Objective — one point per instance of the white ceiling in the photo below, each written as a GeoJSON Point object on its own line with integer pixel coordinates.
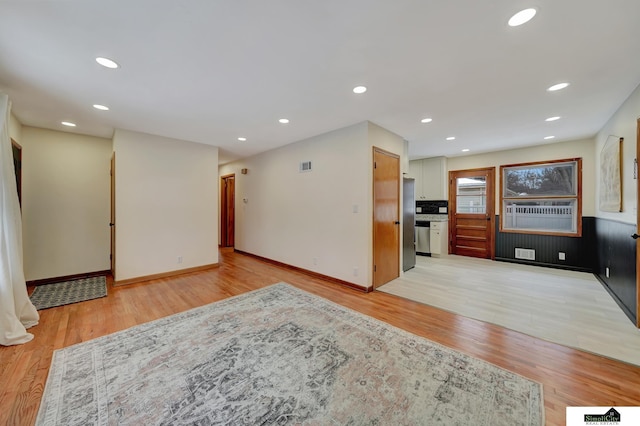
{"type": "Point", "coordinates": [211, 71]}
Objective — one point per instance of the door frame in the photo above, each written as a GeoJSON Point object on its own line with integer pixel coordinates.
{"type": "Point", "coordinates": [490, 213]}
{"type": "Point", "coordinates": [227, 232]}
{"type": "Point", "coordinates": [374, 267]}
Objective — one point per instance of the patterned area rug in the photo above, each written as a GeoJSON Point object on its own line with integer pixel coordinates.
{"type": "Point", "coordinates": [64, 293]}
{"type": "Point", "coordinates": [282, 356]}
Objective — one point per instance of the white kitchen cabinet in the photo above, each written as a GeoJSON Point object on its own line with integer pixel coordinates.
{"type": "Point", "coordinates": [439, 241]}
{"type": "Point", "coordinates": [431, 178]}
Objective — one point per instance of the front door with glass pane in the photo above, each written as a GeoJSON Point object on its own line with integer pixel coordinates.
{"type": "Point", "coordinates": [471, 207]}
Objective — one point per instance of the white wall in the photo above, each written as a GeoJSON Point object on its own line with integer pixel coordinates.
{"type": "Point", "coordinates": [382, 138]}
{"type": "Point", "coordinates": [166, 204]}
{"type": "Point", "coordinates": [65, 203]}
{"type": "Point", "coordinates": [622, 124]}
{"type": "Point", "coordinates": [15, 128]}
{"type": "Point", "coordinates": [307, 219]}
{"type": "Point", "coordinates": [546, 152]}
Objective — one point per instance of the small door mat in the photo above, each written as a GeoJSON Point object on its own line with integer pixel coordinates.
{"type": "Point", "coordinates": [66, 292]}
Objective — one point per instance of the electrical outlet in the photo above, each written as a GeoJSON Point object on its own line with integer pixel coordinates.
{"type": "Point", "coordinates": [315, 260]}
{"type": "Point", "coordinates": [606, 272]}
{"type": "Point", "coordinates": [561, 256]}
{"type": "Point", "coordinates": [355, 271]}
{"type": "Point", "coordinates": [179, 259]}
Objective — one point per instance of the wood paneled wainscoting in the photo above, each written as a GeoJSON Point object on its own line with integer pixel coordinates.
{"type": "Point", "coordinates": [580, 252]}
{"type": "Point", "coordinates": [570, 377]}
{"type": "Point", "coordinates": [616, 265]}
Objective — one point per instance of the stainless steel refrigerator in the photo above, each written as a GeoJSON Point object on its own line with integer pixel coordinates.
{"type": "Point", "coordinates": [408, 224]}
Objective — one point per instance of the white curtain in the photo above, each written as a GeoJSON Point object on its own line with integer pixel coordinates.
{"type": "Point", "coordinates": [17, 313]}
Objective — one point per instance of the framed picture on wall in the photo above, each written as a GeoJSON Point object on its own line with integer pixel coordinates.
{"type": "Point", "coordinates": [611, 175]}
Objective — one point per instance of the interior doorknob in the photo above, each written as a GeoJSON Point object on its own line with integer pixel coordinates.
{"type": "Point", "coordinates": [635, 236]}
{"type": "Point", "coordinates": [396, 222]}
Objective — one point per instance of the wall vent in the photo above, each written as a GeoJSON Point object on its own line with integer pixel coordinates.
{"type": "Point", "coordinates": [305, 166]}
{"type": "Point", "coordinates": [527, 254]}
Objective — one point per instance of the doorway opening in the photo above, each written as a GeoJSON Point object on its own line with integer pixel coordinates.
{"type": "Point", "coordinates": [637, 229]}
{"type": "Point", "coordinates": [17, 164]}
{"type": "Point", "coordinates": [228, 210]}
{"type": "Point", "coordinates": [112, 216]}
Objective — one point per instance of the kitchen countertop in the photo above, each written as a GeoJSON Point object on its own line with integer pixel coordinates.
{"type": "Point", "coordinates": [433, 217]}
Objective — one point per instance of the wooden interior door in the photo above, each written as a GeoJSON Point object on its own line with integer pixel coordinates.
{"type": "Point", "coordinates": [471, 212]}
{"type": "Point", "coordinates": [112, 221]}
{"type": "Point", "coordinates": [386, 217]}
{"type": "Point", "coordinates": [228, 210]}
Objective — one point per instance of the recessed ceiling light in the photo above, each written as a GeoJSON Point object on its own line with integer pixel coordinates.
{"type": "Point", "coordinates": [426, 120]}
{"type": "Point", "coordinates": [101, 107]}
{"type": "Point", "coordinates": [359, 89]}
{"type": "Point", "coordinates": [465, 150]}
{"type": "Point", "coordinates": [558, 86]}
{"type": "Point", "coordinates": [68, 123]}
{"type": "Point", "coordinates": [552, 118]}
{"type": "Point", "coordinates": [522, 17]}
{"type": "Point", "coordinates": [450, 138]}
{"type": "Point", "coordinates": [549, 137]}
{"type": "Point", "coordinates": [242, 139]}
{"type": "Point", "coordinates": [283, 121]}
{"type": "Point", "coordinates": [106, 62]}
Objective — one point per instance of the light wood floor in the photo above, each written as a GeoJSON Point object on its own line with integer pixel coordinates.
{"type": "Point", "coordinates": [570, 377]}
{"type": "Point", "coordinates": [567, 307]}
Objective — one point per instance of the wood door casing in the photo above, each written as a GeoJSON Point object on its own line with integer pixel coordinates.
{"type": "Point", "coordinates": [472, 233]}
{"type": "Point", "coordinates": [228, 210]}
{"type": "Point", "coordinates": [386, 217]}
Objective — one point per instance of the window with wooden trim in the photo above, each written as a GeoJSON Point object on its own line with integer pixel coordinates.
{"type": "Point", "coordinates": [542, 197]}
